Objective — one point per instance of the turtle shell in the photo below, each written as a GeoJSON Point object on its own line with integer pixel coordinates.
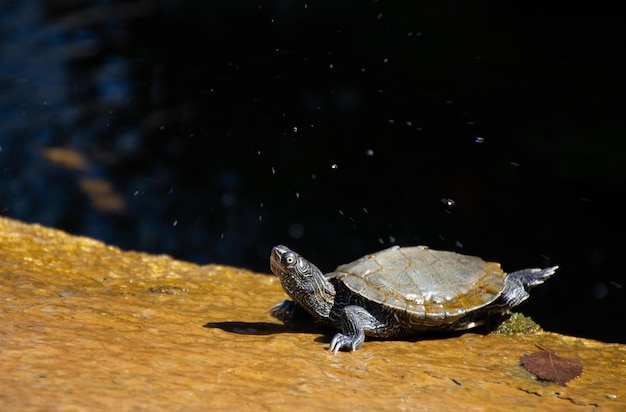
{"type": "Point", "coordinates": [435, 286]}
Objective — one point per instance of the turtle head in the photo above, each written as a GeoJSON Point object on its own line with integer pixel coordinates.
{"type": "Point", "coordinates": [302, 281]}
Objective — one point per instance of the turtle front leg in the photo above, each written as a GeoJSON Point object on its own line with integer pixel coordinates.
{"type": "Point", "coordinates": [284, 310]}
{"type": "Point", "coordinates": [355, 320]}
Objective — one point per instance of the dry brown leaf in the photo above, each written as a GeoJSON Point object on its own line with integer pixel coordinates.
{"type": "Point", "coordinates": [546, 365]}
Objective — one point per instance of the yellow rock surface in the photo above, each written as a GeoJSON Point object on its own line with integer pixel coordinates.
{"type": "Point", "coordinates": [85, 326]}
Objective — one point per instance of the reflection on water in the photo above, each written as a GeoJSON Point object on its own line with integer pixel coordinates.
{"type": "Point", "coordinates": [86, 131]}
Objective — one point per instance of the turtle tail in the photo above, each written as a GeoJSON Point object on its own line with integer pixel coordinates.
{"type": "Point", "coordinates": [519, 283]}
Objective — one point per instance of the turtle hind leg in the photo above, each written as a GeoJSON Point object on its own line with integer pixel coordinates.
{"type": "Point", "coordinates": [519, 283]}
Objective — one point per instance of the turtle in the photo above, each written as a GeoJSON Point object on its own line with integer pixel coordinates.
{"type": "Point", "coordinates": [399, 292]}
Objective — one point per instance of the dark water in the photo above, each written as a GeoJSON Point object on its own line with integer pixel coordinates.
{"type": "Point", "coordinates": [213, 130]}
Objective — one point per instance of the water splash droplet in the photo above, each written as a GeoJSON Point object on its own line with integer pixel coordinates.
{"type": "Point", "coordinates": [448, 202]}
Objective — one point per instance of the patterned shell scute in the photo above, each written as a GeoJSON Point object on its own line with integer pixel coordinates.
{"type": "Point", "coordinates": [431, 284]}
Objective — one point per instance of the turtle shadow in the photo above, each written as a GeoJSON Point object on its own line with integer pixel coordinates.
{"type": "Point", "coordinates": [327, 333]}
{"type": "Point", "coordinates": [304, 323]}
{"type": "Point", "coordinates": [262, 328]}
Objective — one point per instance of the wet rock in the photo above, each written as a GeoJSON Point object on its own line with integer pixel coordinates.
{"type": "Point", "coordinates": [87, 326]}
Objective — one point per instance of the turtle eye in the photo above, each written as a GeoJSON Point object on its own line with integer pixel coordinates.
{"type": "Point", "coordinates": [289, 258]}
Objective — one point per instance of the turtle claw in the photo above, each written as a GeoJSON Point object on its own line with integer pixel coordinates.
{"type": "Point", "coordinates": [341, 341]}
{"type": "Point", "coordinates": [284, 310]}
